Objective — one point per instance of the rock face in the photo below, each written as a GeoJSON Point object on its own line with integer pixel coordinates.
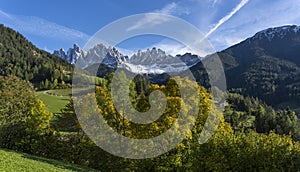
{"type": "Point", "coordinates": [60, 53]}
{"type": "Point", "coordinates": [72, 55]}
{"type": "Point", "coordinates": [150, 61]}
{"type": "Point", "coordinates": [277, 32]}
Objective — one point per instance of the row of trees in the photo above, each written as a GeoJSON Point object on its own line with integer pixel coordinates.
{"type": "Point", "coordinates": [25, 127]}
{"type": "Point", "coordinates": [248, 113]}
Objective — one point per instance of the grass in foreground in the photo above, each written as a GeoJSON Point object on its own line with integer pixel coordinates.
{"type": "Point", "coordinates": [13, 161]}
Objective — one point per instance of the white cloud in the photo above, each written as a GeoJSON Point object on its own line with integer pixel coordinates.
{"type": "Point", "coordinates": [222, 42]}
{"type": "Point", "coordinates": [170, 9]}
{"type": "Point", "coordinates": [264, 15]}
{"type": "Point", "coordinates": [240, 21]}
{"type": "Point", "coordinates": [47, 49]}
{"type": "Point", "coordinates": [41, 27]}
{"type": "Point", "coordinates": [4, 14]}
{"type": "Point", "coordinates": [257, 15]}
{"type": "Point", "coordinates": [173, 9]}
{"type": "Point", "coordinates": [126, 52]}
{"type": "Point", "coordinates": [214, 2]}
{"type": "Point", "coordinates": [151, 19]}
{"type": "Point", "coordinates": [172, 48]}
{"type": "Point", "coordinates": [180, 8]}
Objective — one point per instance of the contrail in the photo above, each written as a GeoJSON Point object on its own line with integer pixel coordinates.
{"type": "Point", "coordinates": [227, 17]}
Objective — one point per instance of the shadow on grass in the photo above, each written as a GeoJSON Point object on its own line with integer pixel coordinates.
{"type": "Point", "coordinates": [65, 99]}
{"type": "Point", "coordinates": [59, 164]}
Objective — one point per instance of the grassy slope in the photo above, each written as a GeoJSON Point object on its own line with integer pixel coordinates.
{"type": "Point", "coordinates": [12, 161]}
{"type": "Point", "coordinates": [53, 103]}
{"type": "Point", "coordinates": [61, 92]}
{"type": "Point", "coordinates": [55, 100]}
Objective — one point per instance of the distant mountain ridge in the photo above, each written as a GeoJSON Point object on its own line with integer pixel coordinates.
{"type": "Point", "coordinates": [154, 61]}
{"type": "Point", "coordinates": [266, 65]}
{"type": "Point", "coordinates": [157, 61]}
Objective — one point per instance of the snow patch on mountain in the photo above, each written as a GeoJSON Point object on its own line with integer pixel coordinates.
{"type": "Point", "coordinates": [279, 32]}
{"type": "Point", "coordinates": [150, 61]}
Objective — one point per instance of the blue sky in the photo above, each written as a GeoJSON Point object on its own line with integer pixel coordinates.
{"type": "Point", "coordinates": [54, 24]}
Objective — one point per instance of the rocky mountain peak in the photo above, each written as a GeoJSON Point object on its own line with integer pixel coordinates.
{"type": "Point", "coordinates": [60, 53]}
{"type": "Point", "coordinates": [277, 32]}
{"type": "Point", "coordinates": [152, 60]}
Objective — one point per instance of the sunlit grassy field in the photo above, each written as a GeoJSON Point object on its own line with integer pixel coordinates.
{"type": "Point", "coordinates": [57, 99]}
{"type": "Point", "coordinates": [55, 103]}
{"type": "Point", "coordinates": [61, 92]}
{"type": "Point", "coordinates": [13, 161]}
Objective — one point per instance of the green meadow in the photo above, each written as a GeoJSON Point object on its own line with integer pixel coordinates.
{"type": "Point", "coordinates": [13, 161]}
{"type": "Point", "coordinates": [55, 103]}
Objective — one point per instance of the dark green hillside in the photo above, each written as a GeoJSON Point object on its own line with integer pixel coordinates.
{"type": "Point", "coordinates": [266, 66]}
{"type": "Point", "coordinates": [20, 57]}
{"type": "Point", "coordinates": [248, 113]}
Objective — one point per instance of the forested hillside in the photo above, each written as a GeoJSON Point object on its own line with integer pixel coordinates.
{"type": "Point", "coordinates": [266, 66]}
{"type": "Point", "coordinates": [20, 57]}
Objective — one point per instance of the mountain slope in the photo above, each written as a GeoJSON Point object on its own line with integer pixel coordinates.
{"type": "Point", "coordinates": [20, 57]}
{"type": "Point", "coordinates": [266, 65]}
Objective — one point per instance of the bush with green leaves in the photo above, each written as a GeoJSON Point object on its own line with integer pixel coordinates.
{"type": "Point", "coordinates": [23, 117]}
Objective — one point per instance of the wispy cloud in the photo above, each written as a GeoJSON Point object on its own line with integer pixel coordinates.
{"type": "Point", "coordinates": [41, 27]}
{"type": "Point", "coordinates": [4, 14]}
{"type": "Point", "coordinates": [214, 2]}
{"type": "Point", "coordinates": [149, 20]}
{"type": "Point", "coordinates": [227, 17]}
{"type": "Point", "coordinates": [170, 9]}
{"type": "Point", "coordinates": [126, 52]}
{"type": "Point", "coordinates": [256, 16]}
{"type": "Point", "coordinates": [173, 9]}
{"type": "Point", "coordinates": [171, 47]}
{"type": "Point", "coordinates": [180, 8]}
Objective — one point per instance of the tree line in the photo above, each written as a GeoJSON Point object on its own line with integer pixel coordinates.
{"type": "Point", "coordinates": [25, 126]}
